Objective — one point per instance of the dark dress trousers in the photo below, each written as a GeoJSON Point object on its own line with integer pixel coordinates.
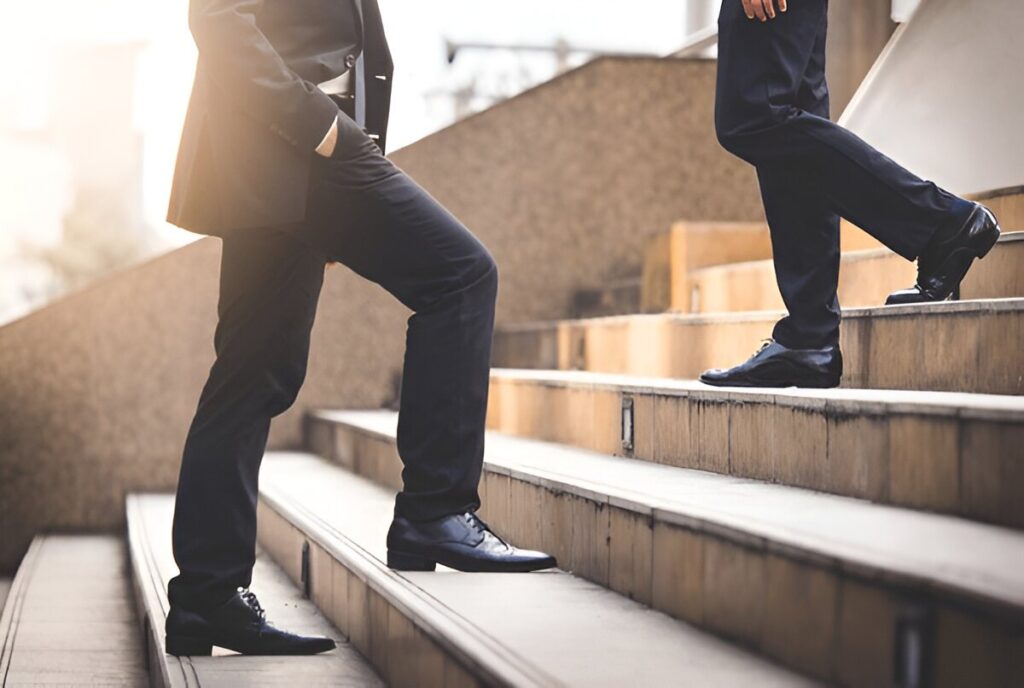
{"type": "Point", "coordinates": [772, 110]}
{"type": "Point", "coordinates": [355, 208]}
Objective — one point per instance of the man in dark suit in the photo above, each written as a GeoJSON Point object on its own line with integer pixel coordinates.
{"type": "Point", "coordinates": [282, 157]}
{"type": "Point", "coordinates": [772, 111]}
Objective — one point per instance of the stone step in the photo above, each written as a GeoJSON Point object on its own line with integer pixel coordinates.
{"type": "Point", "coordinates": [956, 454]}
{"type": "Point", "coordinates": [670, 257]}
{"type": "Point", "coordinates": [850, 592]}
{"type": "Point", "coordinates": [1007, 204]}
{"type": "Point", "coordinates": [688, 246]}
{"type": "Point", "coordinates": [616, 298]}
{"type": "Point", "coordinates": [5, 587]}
{"type": "Point", "coordinates": [68, 619]}
{"type": "Point", "coordinates": [865, 279]}
{"type": "Point", "coordinates": [453, 629]}
{"type": "Point", "coordinates": [957, 346]}
{"type": "Point", "coordinates": [152, 563]}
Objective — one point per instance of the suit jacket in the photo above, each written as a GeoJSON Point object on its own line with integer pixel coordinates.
{"type": "Point", "coordinates": [256, 116]}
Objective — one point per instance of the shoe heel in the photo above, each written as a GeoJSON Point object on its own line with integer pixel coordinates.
{"type": "Point", "coordinates": [184, 646]}
{"type": "Point", "coordinates": [989, 242]}
{"type": "Point", "coordinates": [400, 561]}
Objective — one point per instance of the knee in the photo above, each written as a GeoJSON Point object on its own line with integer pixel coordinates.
{"type": "Point", "coordinates": [282, 381]}
{"type": "Point", "coordinates": [731, 133]}
{"type": "Point", "coordinates": [728, 140]}
{"type": "Point", "coordinates": [482, 276]}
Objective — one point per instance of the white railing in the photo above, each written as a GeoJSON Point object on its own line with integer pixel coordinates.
{"type": "Point", "coordinates": [698, 42]}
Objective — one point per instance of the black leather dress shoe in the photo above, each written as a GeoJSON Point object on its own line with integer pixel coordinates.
{"type": "Point", "coordinates": [463, 542]}
{"type": "Point", "coordinates": [776, 366]}
{"type": "Point", "coordinates": [239, 624]}
{"type": "Point", "coordinates": [943, 264]}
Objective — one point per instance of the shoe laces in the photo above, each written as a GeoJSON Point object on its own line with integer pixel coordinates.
{"type": "Point", "coordinates": [765, 343]}
{"type": "Point", "coordinates": [249, 597]}
{"type": "Point", "coordinates": [478, 524]}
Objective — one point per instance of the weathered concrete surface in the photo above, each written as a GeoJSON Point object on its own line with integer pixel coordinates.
{"type": "Point", "coordinates": [563, 183]}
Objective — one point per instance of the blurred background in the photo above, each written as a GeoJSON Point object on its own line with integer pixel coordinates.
{"type": "Point", "coordinates": [92, 102]}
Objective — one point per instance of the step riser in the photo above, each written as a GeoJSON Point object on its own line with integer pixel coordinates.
{"type": "Point", "coordinates": [687, 246]}
{"type": "Point", "coordinates": [975, 351]}
{"type": "Point", "coordinates": [810, 615]}
{"type": "Point", "coordinates": [863, 282]}
{"type": "Point", "coordinates": [959, 466]}
{"type": "Point", "coordinates": [377, 628]}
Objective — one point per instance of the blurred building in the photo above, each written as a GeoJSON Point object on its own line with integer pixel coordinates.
{"type": "Point", "coordinates": [72, 176]}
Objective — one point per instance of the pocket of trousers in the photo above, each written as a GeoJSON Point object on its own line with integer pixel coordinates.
{"type": "Point", "coordinates": [352, 139]}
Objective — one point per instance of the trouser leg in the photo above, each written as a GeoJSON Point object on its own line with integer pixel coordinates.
{"type": "Point", "coordinates": [374, 219]}
{"type": "Point", "coordinates": [269, 287]}
{"type": "Point", "coordinates": [805, 248]}
{"type": "Point", "coordinates": [804, 232]}
{"type": "Point", "coordinates": [758, 118]}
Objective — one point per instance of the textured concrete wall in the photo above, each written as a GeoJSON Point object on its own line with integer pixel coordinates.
{"type": "Point", "coordinates": [97, 389]}
{"type": "Point", "coordinates": [563, 183]}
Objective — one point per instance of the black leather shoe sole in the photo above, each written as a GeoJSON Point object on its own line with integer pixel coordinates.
{"type": "Point", "coordinates": [184, 646]}
{"type": "Point", "coordinates": [187, 646]}
{"type": "Point", "coordinates": [403, 561]}
{"type": "Point", "coordinates": [750, 381]}
{"type": "Point", "coordinates": [400, 561]}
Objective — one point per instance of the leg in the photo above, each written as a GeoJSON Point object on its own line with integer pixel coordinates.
{"type": "Point", "coordinates": [370, 216]}
{"type": "Point", "coordinates": [805, 250]}
{"type": "Point", "coordinates": [805, 233]}
{"type": "Point", "coordinates": [761, 68]}
{"type": "Point", "coordinates": [269, 287]}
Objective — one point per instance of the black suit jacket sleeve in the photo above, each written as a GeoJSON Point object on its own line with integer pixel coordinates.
{"type": "Point", "coordinates": [242, 63]}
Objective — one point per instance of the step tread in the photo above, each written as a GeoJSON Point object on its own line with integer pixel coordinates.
{"type": "Point", "coordinates": [149, 523]}
{"type": "Point", "coordinates": [850, 256]}
{"type": "Point", "coordinates": [5, 587]}
{"type": "Point", "coordinates": [972, 306]}
{"type": "Point", "coordinates": [551, 626]}
{"type": "Point", "coordinates": [68, 618]}
{"type": "Point", "coordinates": [964, 404]}
{"type": "Point", "coordinates": [971, 561]}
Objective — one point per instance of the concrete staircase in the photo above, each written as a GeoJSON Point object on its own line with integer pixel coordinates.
{"type": "Point", "coordinates": [843, 590]}
{"type": "Point", "coordinates": [865, 536]}
{"type": "Point", "coordinates": [716, 267]}
{"type": "Point", "coordinates": [152, 565]}
{"type": "Point", "coordinates": [68, 617]}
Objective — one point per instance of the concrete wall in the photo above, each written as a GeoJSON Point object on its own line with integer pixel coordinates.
{"type": "Point", "coordinates": [563, 183]}
{"type": "Point", "coordinates": [945, 99]}
{"type": "Point", "coordinates": [857, 34]}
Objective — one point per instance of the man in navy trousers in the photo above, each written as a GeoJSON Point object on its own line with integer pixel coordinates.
{"type": "Point", "coordinates": [772, 110]}
{"type": "Point", "coordinates": [282, 156]}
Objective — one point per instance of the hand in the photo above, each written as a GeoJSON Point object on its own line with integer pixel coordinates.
{"type": "Point", "coordinates": [326, 147]}
{"type": "Point", "coordinates": [762, 9]}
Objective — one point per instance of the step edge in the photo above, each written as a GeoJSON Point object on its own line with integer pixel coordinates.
{"type": "Point", "coordinates": [11, 612]}
{"type": "Point", "coordinates": [717, 524]}
{"type": "Point", "coordinates": [1007, 237]}
{"type": "Point", "coordinates": [497, 662]}
{"type": "Point", "coordinates": [1000, 192]}
{"type": "Point", "coordinates": [148, 596]}
{"type": "Point", "coordinates": [1013, 304]}
{"type": "Point", "coordinates": [992, 407]}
